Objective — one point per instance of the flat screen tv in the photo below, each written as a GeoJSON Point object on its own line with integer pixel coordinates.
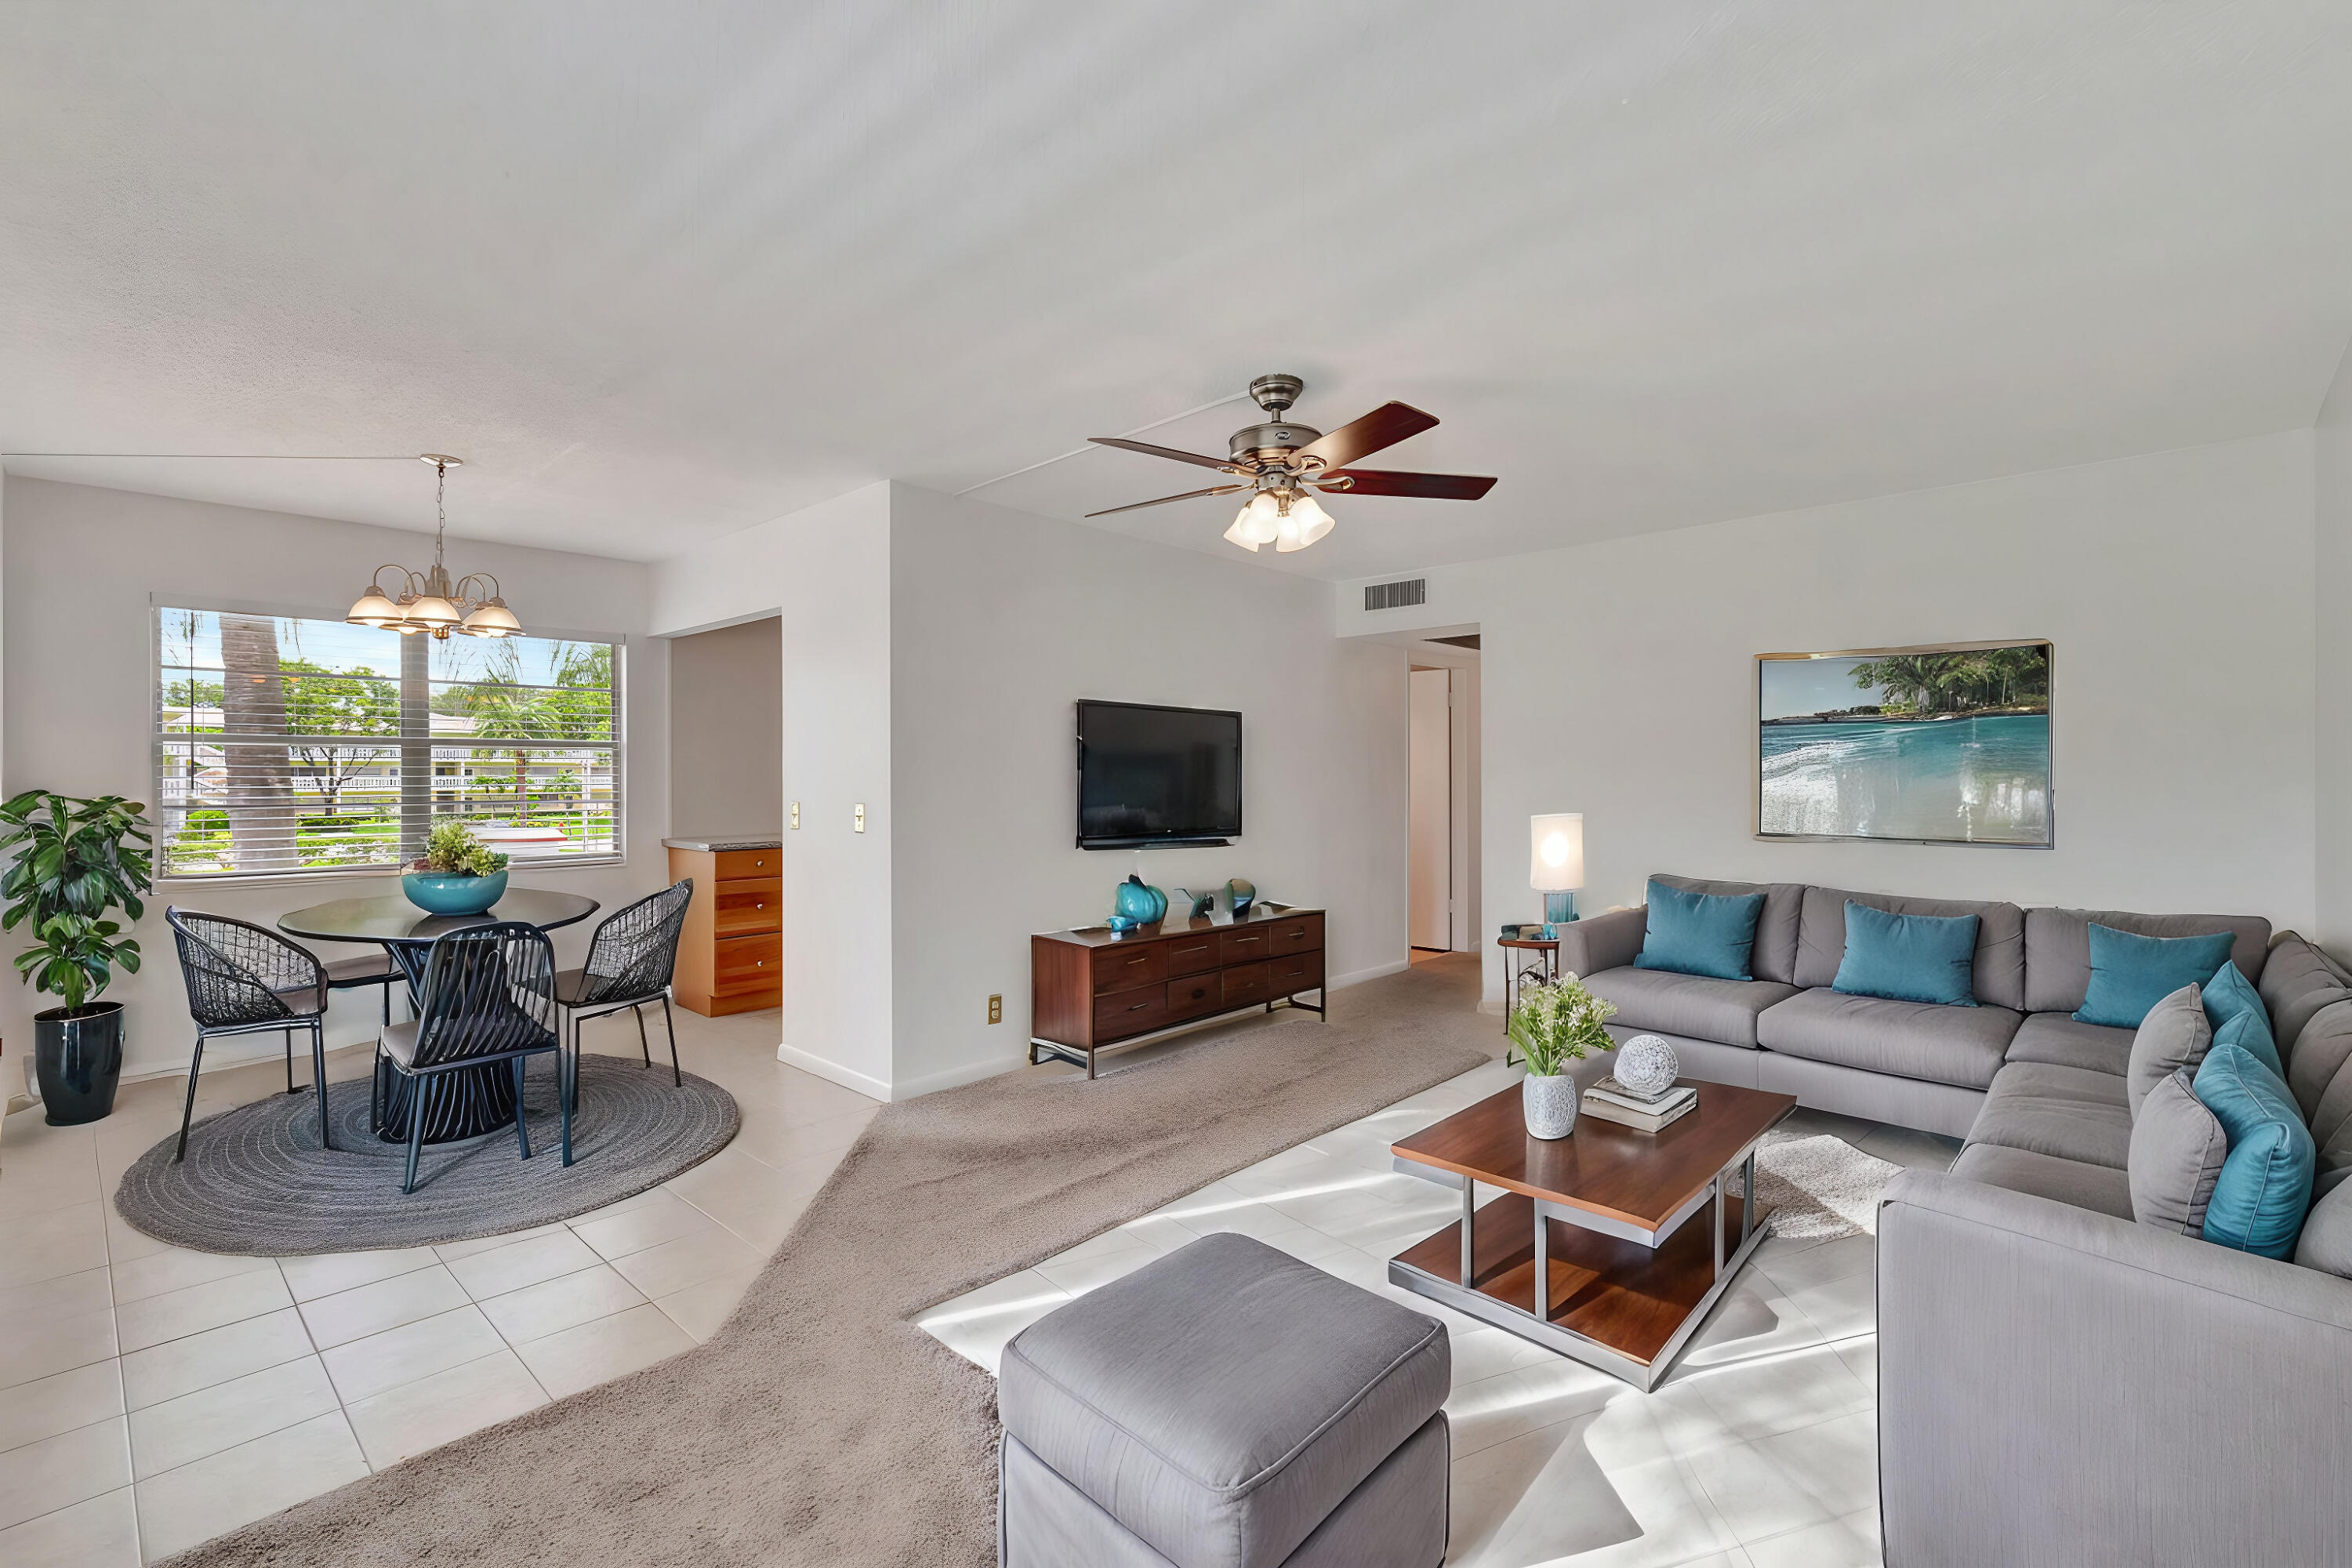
{"type": "Point", "coordinates": [1158, 775]}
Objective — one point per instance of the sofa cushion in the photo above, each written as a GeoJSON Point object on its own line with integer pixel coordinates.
{"type": "Point", "coordinates": [2056, 1038]}
{"type": "Point", "coordinates": [2058, 948]}
{"type": "Point", "coordinates": [2318, 1056]}
{"type": "Point", "coordinates": [2265, 1186]}
{"type": "Point", "coordinates": [1720, 1010]}
{"type": "Point", "coordinates": [1775, 955]}
{"type": "Point", "coordinates": [2131, 974]}
{"type": "Point", "coordinates": [2069, 1113]}
{"type": "Point", "coordinates": [2297, 981]}
{"type": "Point", "coordinates": [1908, 958]}
{"type": "Point", "coordinates": [2177, 1149]}
{"type": "Point", "coordinates": [1221, 1401]}
{"type": "Point", "coordinates": [2174, 1035]}
{"type": "Point", "coordinates": [1711, 935]}
{"type": "Point", "coordinates": [2099, 1188]}
{"type": "Point", "coordinates": [1998, 966]}
{"type": "Point", "coordinates": [2326, 1239]}
{"type": "Point", "coordinates": [1961, 1046]}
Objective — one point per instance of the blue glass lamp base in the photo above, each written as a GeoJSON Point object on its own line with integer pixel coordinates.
{"type": "Point", "coordinates": [1559, 907]}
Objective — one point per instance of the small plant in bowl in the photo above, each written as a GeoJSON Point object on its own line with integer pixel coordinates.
{"type": "Point", "coordinates": [457, 874]}
{"type": "Point", "coordinates": [1556, 1022]}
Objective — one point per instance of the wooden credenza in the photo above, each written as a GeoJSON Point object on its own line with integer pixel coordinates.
{"type": "Point", "coordinates": [1093, 988]}
{"type": "Point", "coordinates": [731, 957]}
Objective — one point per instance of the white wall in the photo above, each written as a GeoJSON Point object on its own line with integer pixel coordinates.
{"type": "Point", "coordinates": [726, 731]}
{"type": "Point", "coordinates": [2176, 588]}
{"type": "Point", "coordinates": [825, 573]}
{"type": "Point", "coordinates": [1002, 621]}
{"type": "Point", "coordinates": [84, 568]}
{"type": "Point", "coordinates": [2332, 503]}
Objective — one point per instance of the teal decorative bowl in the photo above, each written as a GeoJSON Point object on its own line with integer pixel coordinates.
{"type": "Point", "coordinates": [451, 893]}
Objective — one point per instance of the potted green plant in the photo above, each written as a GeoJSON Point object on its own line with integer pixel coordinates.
{"type": "Point", "coordinates": [457, 874]}
{"type": "Point", "coordinates": [1556, 1022]}
{"type": "Point", "coordinates": [73, 861]}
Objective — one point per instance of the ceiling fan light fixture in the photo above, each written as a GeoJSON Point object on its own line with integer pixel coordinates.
{"type": "Point", "coordinates": [1234, 534]}
{"type": "Point", "coordinates": [1308, 521]}
{"type": "Point", "coordinates": [1260, 523]}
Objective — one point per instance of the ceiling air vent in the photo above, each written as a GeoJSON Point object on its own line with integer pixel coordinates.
{"type": "Point", "coordinates": [1396, 595]}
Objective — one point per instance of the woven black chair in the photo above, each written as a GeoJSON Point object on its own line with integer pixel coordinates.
{"type": "Point", "coordinates": [243, 979]}
{"type": "Point", "coordinates": [630, 961]}
{"type": "Point", "coordinates": [488, 996]}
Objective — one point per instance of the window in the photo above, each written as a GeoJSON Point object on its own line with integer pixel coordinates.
{"type": "Point", "coordinates": [286, 745]}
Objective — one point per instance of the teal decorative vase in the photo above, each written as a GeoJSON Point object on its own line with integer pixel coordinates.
{"type": "Point", "coordinates": [1239, 895]}
{"type": "Point", "coordinates": [1202, 902]}
{"type": "Point", "coordinates": [1140, 903]}
{"type": "Point", "coordinates": [452, 893]}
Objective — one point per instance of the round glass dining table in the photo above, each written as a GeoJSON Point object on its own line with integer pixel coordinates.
{"type": "Point", "coordinates": [478, 1100]}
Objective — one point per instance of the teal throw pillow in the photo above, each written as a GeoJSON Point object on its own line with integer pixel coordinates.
{"type": "Point", "coordinates": [2130, 973]}
{"type": "Point", "coordinates": [2230, 998]}
{"type": "Point", "coordinates": [2265, 1188]}
{"type": "Point", "coordinates": [1908, 958]}
{"type": "Point", "coordinates": [1700, 933]}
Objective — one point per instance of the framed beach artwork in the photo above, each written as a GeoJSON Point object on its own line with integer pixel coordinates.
{"type": "Point", "coordinates": [1945, 744]}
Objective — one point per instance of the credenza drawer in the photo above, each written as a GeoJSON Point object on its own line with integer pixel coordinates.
{"type": "Point", "coordinates": [1249, 982]}
{"type": "Point", "coordinates": [1124, 1013]}
{"type": "Point", "coordinates": [1192, 954]}
{"type": "Point", "coordinates": [1298, 934]}
{"type": "Point", "coordinates": [1297, 972]}
{"type": "Point", "coordinates": [737, 863]}
{"type": "Point", "coordinates": [1246, 945]}
{"type": "Point", "coordinates": [1193, 995]}
{"type": "Point", "coordinates": [1124, 968]}
{"type": "Point", "coordinates": [740, 908]}
{"type": "Point", "coordinates": [746, 962]}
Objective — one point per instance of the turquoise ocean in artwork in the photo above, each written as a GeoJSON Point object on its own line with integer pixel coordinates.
{"type": "Point", "coordinates": [1983, 780]}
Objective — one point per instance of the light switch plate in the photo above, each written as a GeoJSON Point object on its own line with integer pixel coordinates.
{"type": "Point", "coordinates": [861, 816]}
{"type": "Point", "coordinates": [796, 816]}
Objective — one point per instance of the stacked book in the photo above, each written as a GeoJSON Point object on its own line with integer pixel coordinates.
{"type": "Point", "coordinates": [1612, 1101]}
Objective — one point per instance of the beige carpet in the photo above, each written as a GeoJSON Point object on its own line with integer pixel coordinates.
{"type": "Point", "coordinates": [1819, 1187]}
{"type": "Point", "coordinates": [819, 1426]}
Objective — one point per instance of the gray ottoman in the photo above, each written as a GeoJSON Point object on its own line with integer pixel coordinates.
{"type": "Point", "coordinates": [1225, 1407]}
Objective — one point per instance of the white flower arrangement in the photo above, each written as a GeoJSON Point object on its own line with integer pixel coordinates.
{"type": "Point", "coordinates": [1558, 1021]}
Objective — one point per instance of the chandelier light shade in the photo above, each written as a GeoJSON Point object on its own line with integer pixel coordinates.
{"type": "Point", "coordinates": [429, 604]}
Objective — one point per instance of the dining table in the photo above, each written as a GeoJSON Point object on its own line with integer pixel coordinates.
{"type": "Point", "coordinates": [474, 1100]}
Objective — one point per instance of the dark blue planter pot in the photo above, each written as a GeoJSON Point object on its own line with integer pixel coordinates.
{"type": "Point", "coordinates": [77, 1061]}
{"type": "Point", "coordinates": [447, 893]}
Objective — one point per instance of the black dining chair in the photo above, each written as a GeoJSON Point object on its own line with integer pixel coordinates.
{"type": "Point", "coordinates": [489, 997]}
{"type": "Point", "coordinates": [245, 979]}
{"type": "Point", "coordinates": [630, 962]}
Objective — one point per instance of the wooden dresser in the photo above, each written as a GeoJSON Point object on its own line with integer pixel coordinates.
{"type": "Point", "coordinates": [731, 957]}
{"type": "Point", "coordinates": [1092, 988]}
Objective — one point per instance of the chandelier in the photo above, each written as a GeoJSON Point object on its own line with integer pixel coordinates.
{"type": "Point", "coordinates": [428, 601]}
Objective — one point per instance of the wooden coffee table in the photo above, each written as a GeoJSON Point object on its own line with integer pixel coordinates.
{"type": "Point", "coordinates": [1614, 1275]}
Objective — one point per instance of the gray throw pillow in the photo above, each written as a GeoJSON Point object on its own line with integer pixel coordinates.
{"type": "Point", "coordinates": [2327, 1233]}
{"type": "Point", "coordinates": [2173, 1035]}
{"type": "Point", "coordinates": [2177, 1149]}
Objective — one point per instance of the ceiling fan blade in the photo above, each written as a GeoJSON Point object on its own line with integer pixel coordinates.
{"type": "Point", "coordinates": [1391, 482]}
{"type": "Point", "coordinates": [1149, 451]}
{"type": "Point", "coordinates": [1383, 426]}
{"type": "Point", "coordinates": [1163, 500]}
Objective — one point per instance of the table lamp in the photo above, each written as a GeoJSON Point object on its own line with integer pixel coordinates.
{"type": "Point", "coordinates": [1557, 866]}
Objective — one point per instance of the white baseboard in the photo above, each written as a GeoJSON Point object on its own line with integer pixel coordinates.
{"type": "Point", "coordinates": [953, 1078]}
{"type": "Point", "coordinates": [1357, 976]}
{"type": "Point", "coordinates": [834, 1072]}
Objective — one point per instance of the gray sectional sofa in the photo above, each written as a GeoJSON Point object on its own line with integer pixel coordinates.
{"type": "Point", "coordinates": [2057, 1383]}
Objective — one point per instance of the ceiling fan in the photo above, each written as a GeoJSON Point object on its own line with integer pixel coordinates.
{"type": "Point", "coordinates": [1287, 464]}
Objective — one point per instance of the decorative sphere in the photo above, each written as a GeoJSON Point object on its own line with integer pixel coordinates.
{"type": "Point", "coordinates": [1646, 1066]}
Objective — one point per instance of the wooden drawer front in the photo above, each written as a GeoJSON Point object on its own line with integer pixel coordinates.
{"type": "Point", "coordinates": [1297, 972]}
{"type": "Point", "coordinates": [1192, 954]}
{"type": "Point", "coordinates": [736, 864]}
{"type": "Point", "coordinates": [746, 962]}
{"type": "Point", "coordinates": [1301, 934]}
{"type": "Point", "coordinates": [1124, 1013]}
{"type": "Point", "coordinates": [1124, 968]}
{"type": "Point", "coordinates": [1193, 995]}
{"type": "Point", "coordinates": [740, 908]}
{"type": "Point", "coordinates": [1246, 946]}
{"type": "Point", "coordinates": [1250, 982]}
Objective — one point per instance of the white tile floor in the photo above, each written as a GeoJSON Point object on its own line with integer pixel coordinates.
{"type": "Point", "coordinates": [1758, 1451]}
{"type": "Point", "coordinates": [151, 1397]}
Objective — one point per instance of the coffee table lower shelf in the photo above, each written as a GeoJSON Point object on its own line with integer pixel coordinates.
{"type": "Point", "coordinates": [1610, 1303]}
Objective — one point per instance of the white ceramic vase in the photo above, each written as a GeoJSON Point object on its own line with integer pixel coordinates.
{"type": "Point", "coordinates": [1548, 1104]}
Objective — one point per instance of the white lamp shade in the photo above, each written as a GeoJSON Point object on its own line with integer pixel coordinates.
{"type": "Point", "coordinates": [1557, 844]}
{"type": "Point", "coordinates": [431, 610]}
{"type": "Point", "coordinates": [1234, 535]}
{"type": "Point", "coordinates": [1305, 522]}
{"type": "Point", "coordinates": [1261, 521]}
{"type": "Point", "coordinates": [492, 620]}
{"type": "Point", "coordinates": [373, 609]}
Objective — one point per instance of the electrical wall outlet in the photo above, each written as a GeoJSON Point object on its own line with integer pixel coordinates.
{"type": "Point", "coordinates": [796, 816]}
{"type": "Point", "coordinates": [996, 1009]}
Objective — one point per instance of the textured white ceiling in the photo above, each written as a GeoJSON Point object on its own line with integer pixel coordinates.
{"type": "Point", "coordinates": [661, 271]}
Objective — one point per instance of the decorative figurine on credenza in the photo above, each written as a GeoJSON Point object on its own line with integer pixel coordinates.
{"type": "Point", "coordinates": [1140, 903]}
{"type": "Point", "coordinates": [1202, 902]}
{"type": "Point", "coordinates": [1240, 893]}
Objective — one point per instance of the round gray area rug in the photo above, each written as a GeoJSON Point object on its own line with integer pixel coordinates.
{"type": "Point", "coordinates": [256, 1183]}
